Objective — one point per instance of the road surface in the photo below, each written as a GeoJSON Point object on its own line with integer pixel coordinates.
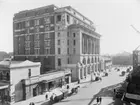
{"type": "Point", "coordinates": [87, 95]}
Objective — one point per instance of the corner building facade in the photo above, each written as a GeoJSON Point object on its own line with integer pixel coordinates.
{"type": "Point", "coordinates": [56, 37]}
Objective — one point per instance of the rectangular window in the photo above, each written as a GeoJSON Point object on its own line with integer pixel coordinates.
{"type": "Point", "coordinates": [58, 18]}
{"type": "Point", "coordinates": [74, 35]}
{"type": "Point", "coordinates": [68, 19]}
{"type": "Point", "coordinates": [29, 72]}
{"type": "Point", "coordinates": [37, 51]}
{"type": "Point", "coordinates": [27, 37]}
{"type": "Point", "coordinates": [58, 42]}
{"type": "Point", "coordinates": [36, 44]}
{"type": "Point", "coordinates": [67, 50]}
{"type": "Point", "coordinates": [46, 36]}
{"type": "Point", "coordinates": [36, 37]}
{"type": "Point", "coordinates": [58, 34]}
{"type": "Point", "coordinates": [67, 34]}
{"type": "Point", "coordinates": [27, 51]}
{"type": "Point", "coordinates": [47, 20]}
{"type": "Point", "coordinates": [74, 42]}
{"type": "Point", "coordinates": [47, 28]}
{"type": "Point", "coordinates": [32, 23]}
{"type": "Point", "coordinates": [27, 44]}
{"type": "Point", "coordinates": [41, 21]}
{"type": "Point", "coordinates": [47, 50]}
{"type": "Point", "coordinates": [59, 62]}
{"type": "Point", "coordinates": [68, 42]}
{"type": "Point", "coordinates": [59, 51]}
{"type": "Point", "coordinates": [68, 60]}
{"type": "Point", "coordinates": [74, 51]}
{"type": "Point", "coordinates": [37, 29]}
{"type": "Point", "coordinates": [36, 22]}
{"type": "Point", "coordinates": [47, 43]}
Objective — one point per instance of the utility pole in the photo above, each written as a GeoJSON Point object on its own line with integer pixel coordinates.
{"type": "Point", "coordinates": [135, 29]}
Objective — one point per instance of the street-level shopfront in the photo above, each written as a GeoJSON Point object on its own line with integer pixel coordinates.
{"type": "Point", "coordinates": [4, 94]}
{"type": "Point", "coordinates": [38, 85]}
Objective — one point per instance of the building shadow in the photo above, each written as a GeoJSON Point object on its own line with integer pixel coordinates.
{"type": "Point", "coordinates": [108, 92]}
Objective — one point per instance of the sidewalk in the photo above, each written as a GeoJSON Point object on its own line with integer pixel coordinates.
{"type": "Point", "coordinates": [40, 99]}
{"type": "Point", "coordinates": [105, 101]}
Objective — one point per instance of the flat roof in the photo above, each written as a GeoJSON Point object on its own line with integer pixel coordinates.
{"type": "Point", "coordinates": [15, 64]}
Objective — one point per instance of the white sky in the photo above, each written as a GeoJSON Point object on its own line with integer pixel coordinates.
{"type": "Point", "coordinates": [111, 17]}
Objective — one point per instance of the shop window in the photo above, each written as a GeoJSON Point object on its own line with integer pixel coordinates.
{"type": "Point", "coordinates": [51, 85]}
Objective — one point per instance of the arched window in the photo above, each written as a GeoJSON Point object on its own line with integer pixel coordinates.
{"type": "Point", "coordinates": [88, 61]}
{"type": "Point", "coordinates": [84, 60]}
{"type": "Point", "coordinates": [92, 60]}
{"type": "Point", "coordinates": [95, 60]}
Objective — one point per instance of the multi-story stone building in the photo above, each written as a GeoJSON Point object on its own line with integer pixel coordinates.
{"type": "Point", "coordinates": [56, 37]}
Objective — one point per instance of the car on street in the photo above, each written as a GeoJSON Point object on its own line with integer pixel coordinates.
{"type": "Point", "coordinates": [122, 73]}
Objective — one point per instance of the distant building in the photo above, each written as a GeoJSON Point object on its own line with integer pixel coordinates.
{"type": "Point", "coordinates": [105, 63]}
{"type": "Point", "coordinates": [56, 37]}
{"type": "Point", "coordinates": [136, 58]}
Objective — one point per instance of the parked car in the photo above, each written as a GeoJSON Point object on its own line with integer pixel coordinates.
{"type": "Point", "coordinates": [123, 73]}
{"type": "Point", "coordinates": [128, 70]}
{"type": "Point", "coordinates": [98, 78]}
{"type": "Point", "coordinates": [118, 69]}
{"type": "Point", "coordinates": [74, 89]}
{"type": "Point", "coordinates": [57, 95]}
{"type": "Point", "coordinates": [106, 74]}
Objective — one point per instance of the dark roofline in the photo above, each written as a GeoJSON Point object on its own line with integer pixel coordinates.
{"type": "Point", "coordinates": [24, 11]}
{"type": "Point", "coordinates": [79, 13]}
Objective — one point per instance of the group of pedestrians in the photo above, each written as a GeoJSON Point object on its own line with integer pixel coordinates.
{"type": "Point", "coordinates": [99, 100]}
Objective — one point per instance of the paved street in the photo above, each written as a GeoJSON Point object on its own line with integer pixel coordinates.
{"type": "Point", "coordinates": [88, 94]}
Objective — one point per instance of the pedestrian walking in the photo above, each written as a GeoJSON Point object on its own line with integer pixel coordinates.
{"type": "Point", "coordinates": [97, 99]}
{"type": "Point", "coordinates": [100, 100]}
{"type": "Point", "coordinates": [114, 91]}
